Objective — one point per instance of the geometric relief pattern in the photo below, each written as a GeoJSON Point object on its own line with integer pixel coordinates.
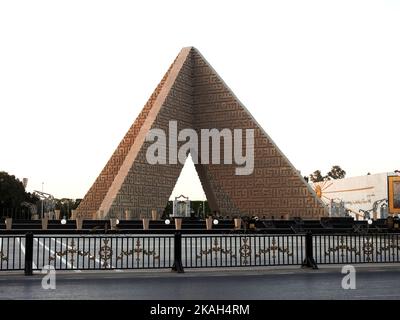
{"type": "Point", "coordinates": [195, 96]}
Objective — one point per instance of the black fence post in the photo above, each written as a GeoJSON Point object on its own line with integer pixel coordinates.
{"type": "Point", "coordinates": [309, 261]}
{"type": "Point", "coordinates": [29, 254]}
{"type": "Point", "coordinates": [178, 267]}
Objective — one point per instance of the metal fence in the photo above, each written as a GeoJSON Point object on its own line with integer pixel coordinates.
{"type": "Point", "coordinates": [12, 252]}
{"type": "Point", "coordinates": [343, 249]}
{"type": "Point", "coordinates": [242, 250]}
{"type": "Point", "coordinates": [103, 252]}
{"type": "Point", "coordinates": [108, 252]}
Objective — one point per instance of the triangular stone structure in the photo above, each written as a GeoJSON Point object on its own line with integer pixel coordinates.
{"type": "Point", "coordinates": [193, 94]}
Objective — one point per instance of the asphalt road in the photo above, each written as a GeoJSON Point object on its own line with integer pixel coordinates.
{"type": "Point", "coordinates": [371, 283]}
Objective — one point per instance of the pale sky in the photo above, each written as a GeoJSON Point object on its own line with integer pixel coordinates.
{"type": "Point", "coordinates": [321, 77]}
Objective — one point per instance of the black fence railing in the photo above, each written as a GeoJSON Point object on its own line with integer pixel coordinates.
{"type": "Point", "coordinates": [103, 252]}
{"type": "Point", "coordinates": [356, 248]}
{"type": "Point", "coordinates": [178, 251]}
{"type": "Point", "coordinates": [12, 252]}
{"type": "Point", "coordinates": [206, 251]}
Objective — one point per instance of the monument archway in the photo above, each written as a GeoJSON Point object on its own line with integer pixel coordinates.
{"type": "Point", "coordinates": [193, 96]}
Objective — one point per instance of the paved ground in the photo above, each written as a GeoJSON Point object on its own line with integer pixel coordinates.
{"type": "Point", "coordinates": [381, 282]}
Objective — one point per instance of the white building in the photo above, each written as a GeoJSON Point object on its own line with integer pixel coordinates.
{"type": "Point", "coordinates": [361, 197]}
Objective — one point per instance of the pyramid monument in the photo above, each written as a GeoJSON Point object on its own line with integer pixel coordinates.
{"type": "Point", "coordinates": [193, 94]}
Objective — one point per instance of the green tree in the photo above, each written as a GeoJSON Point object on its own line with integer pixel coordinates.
{"type": "Point", "coordinates": [336, 173]}
{"type": "Point", "coordinates": [198, 210]}
{"type": "Point", "coordinates": [316, 176]}
{"type": "Point", "coordinates": [168, 210]}
{"type": "Point", "coordinates": [12, 192]}
{"type": "Point", "coordinates": [65, 205]}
